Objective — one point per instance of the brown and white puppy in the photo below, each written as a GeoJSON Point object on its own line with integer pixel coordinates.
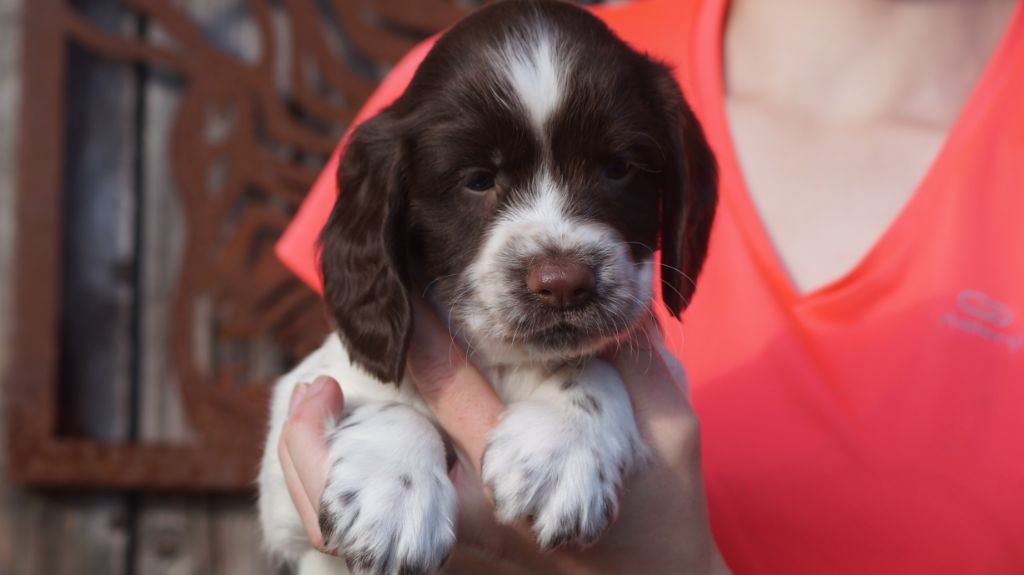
{"type": "Point", "coordinates": [523, 182]}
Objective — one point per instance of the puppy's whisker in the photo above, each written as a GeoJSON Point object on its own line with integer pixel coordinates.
{"type": "Point", "coordinates": [685, 300]}
{"type": "Point", "coordinates": [460, 295]}
{"type": "Point", "coordinates": [434, 281]}
{"type": "Point", "coordinates": [692, 281]}
{"type": "Point", "coordinates": [646, 247]}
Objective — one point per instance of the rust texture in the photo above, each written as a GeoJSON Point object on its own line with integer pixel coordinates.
{"type": "Point", "coordinates": [238, 185]}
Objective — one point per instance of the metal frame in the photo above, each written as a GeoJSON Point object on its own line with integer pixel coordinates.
{"type": "Point", "coordinates": [229, 418]}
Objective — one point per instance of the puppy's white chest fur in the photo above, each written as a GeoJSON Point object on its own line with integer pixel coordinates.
{"type": "Point", "coordinates": [558, 455]}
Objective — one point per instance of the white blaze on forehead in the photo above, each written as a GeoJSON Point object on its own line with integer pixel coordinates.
{"type": "Point", "coordinates": [541, 218]}
{"type": "Point", "coordinates": [543, 207]}
{"type": "Point", "coordinates": [538, 218]}
{"type": "Point", "coordinates": [535, 69]}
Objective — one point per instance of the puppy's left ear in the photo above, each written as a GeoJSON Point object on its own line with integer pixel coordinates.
{"type": "Point", "coordinates": [689, 195]}
{"type": "Point", "coordinates": [362, 252]}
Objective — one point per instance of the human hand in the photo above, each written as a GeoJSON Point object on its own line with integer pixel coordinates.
{"type": "Point", "coordinates": [303, 450]}
{"type": "Point", "coordinates": [662, 526]}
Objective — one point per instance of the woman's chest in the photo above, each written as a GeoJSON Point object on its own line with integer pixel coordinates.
{"type": "Point", "coordinates": [825, 193]}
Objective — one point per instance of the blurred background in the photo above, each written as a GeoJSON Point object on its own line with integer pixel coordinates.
{"type": "Point", "coordinates": [151, 151]}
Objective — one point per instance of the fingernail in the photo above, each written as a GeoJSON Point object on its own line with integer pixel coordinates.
{"type": "Point", "coordinates": [298, 393]}
{"type": "Point", "coordinates": [320, 384]}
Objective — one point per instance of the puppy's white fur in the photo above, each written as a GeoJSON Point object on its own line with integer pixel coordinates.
{"type": "Point", "coordinates": [559, 453]}
{"type": "Point", "coordinates": [536, 68]}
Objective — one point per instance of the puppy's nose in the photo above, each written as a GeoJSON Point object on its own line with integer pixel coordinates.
{"type": "Point", "coordinates": [561, 284]}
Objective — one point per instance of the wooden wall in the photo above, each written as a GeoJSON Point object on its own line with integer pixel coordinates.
{"type": "Point", "coordinates": [123, 236]}
{"type": "Point", "coordinates": [12, 503]}
{"type": "Point", "coordinates": [122, 256]}
{"type": "Point", "coordinates": [64, 533]}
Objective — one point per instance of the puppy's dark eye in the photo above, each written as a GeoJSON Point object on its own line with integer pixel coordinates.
{"type": "Point", "coordinates": [480, 181]}
{"type": "Point", "coordinates": [616, 169]}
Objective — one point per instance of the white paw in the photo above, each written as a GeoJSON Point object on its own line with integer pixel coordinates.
{"type": "Point", "coordinates": [388, 505]}
{"type": "Point", "coordinates": [562, 464]}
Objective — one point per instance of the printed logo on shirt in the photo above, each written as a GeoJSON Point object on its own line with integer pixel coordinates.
{"type": "Point", "coordinates": [983, 316]}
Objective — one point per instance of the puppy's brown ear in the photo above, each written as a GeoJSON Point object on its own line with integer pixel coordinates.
{"type": "Point", "coordinates": [361, 258]}
{"type": "Point", "coordinates": [689, 196]}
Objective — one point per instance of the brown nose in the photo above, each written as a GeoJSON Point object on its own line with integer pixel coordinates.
{"type": "Point", "coordinates": [561, 284]}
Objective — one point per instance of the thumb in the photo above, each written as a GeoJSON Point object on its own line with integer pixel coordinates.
{"type": "Point", "coordinates": [463, 402]}
{"type": "Point", "coordinates": [304, 435]}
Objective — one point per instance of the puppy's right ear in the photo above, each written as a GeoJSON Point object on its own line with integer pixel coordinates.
{"type": "Point", "coordinates": [361, 257]}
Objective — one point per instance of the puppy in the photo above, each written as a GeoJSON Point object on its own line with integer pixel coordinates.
{"type": "Point", "coordinates": [523, 182]}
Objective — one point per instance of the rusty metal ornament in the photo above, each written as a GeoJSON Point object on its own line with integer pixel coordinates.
{"type": "Point", "coordinates": [238, 188]}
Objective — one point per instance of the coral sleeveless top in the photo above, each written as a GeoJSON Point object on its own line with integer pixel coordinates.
{"type": "Point", "coordinates": [874, 425]}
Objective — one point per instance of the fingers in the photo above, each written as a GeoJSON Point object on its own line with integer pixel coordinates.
{"type": "Point", "coordinates": [303, 449]}
{"type": "Point", "coordinates": [463, 402]}
{"type": "Point", "coordinates": [467, 408]}
{"type": "Point", "coordinates": [653, 376]}
{"type": "Point", "coordinates": [307, 512]}
{"type": "Point", "coordinates": [657, 388]}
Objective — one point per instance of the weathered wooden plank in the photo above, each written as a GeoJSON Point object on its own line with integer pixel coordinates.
{"type": "Point", "coordinates": [10, 88]}
{"type": "Point", "coordinates": [15, 511]}
{"type": "Point", "coordinates": [69, 533]}
{"type": "Point", "coordinates": [236, 539]}
{"type": "Point", "coordinates": [66, 535]}
{"type": "Point", "coordinates": [173, 535]}
{"type": "Point", "coordinates": [180, 534]}
{"type": "Point", "coordinates": [162, 239]}
{"type": "Point", "coordinates": [97, 299]}
{"type": "Point", "coordinates": [98, 248]}
{"type": "Point", "coordinates": [82, 533]}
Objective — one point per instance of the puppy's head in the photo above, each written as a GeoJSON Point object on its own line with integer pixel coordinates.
{"type": "Point", "coordinates": [523, 180]}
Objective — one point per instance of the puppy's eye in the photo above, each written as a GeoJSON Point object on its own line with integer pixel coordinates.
{"type": "Point", "coordinates": [616, 169]}
{"type": "Point", "coordinates": [480, 181]}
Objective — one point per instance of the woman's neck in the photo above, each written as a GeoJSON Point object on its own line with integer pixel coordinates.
{"type": "Point", "coordinates": [862, 60]}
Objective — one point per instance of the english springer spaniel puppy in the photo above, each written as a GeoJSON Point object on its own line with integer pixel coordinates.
{"type": "Point", "coordinates": [523, 182]}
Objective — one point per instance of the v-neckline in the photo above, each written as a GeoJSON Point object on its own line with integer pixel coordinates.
{"type": "Point", "coordinates": [709, 68]}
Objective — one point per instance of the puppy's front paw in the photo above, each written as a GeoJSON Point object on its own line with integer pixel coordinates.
{"type": "Point", "coordinates": [388, 505]}
{"type": "Point", "coordinates": [559, 466]}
